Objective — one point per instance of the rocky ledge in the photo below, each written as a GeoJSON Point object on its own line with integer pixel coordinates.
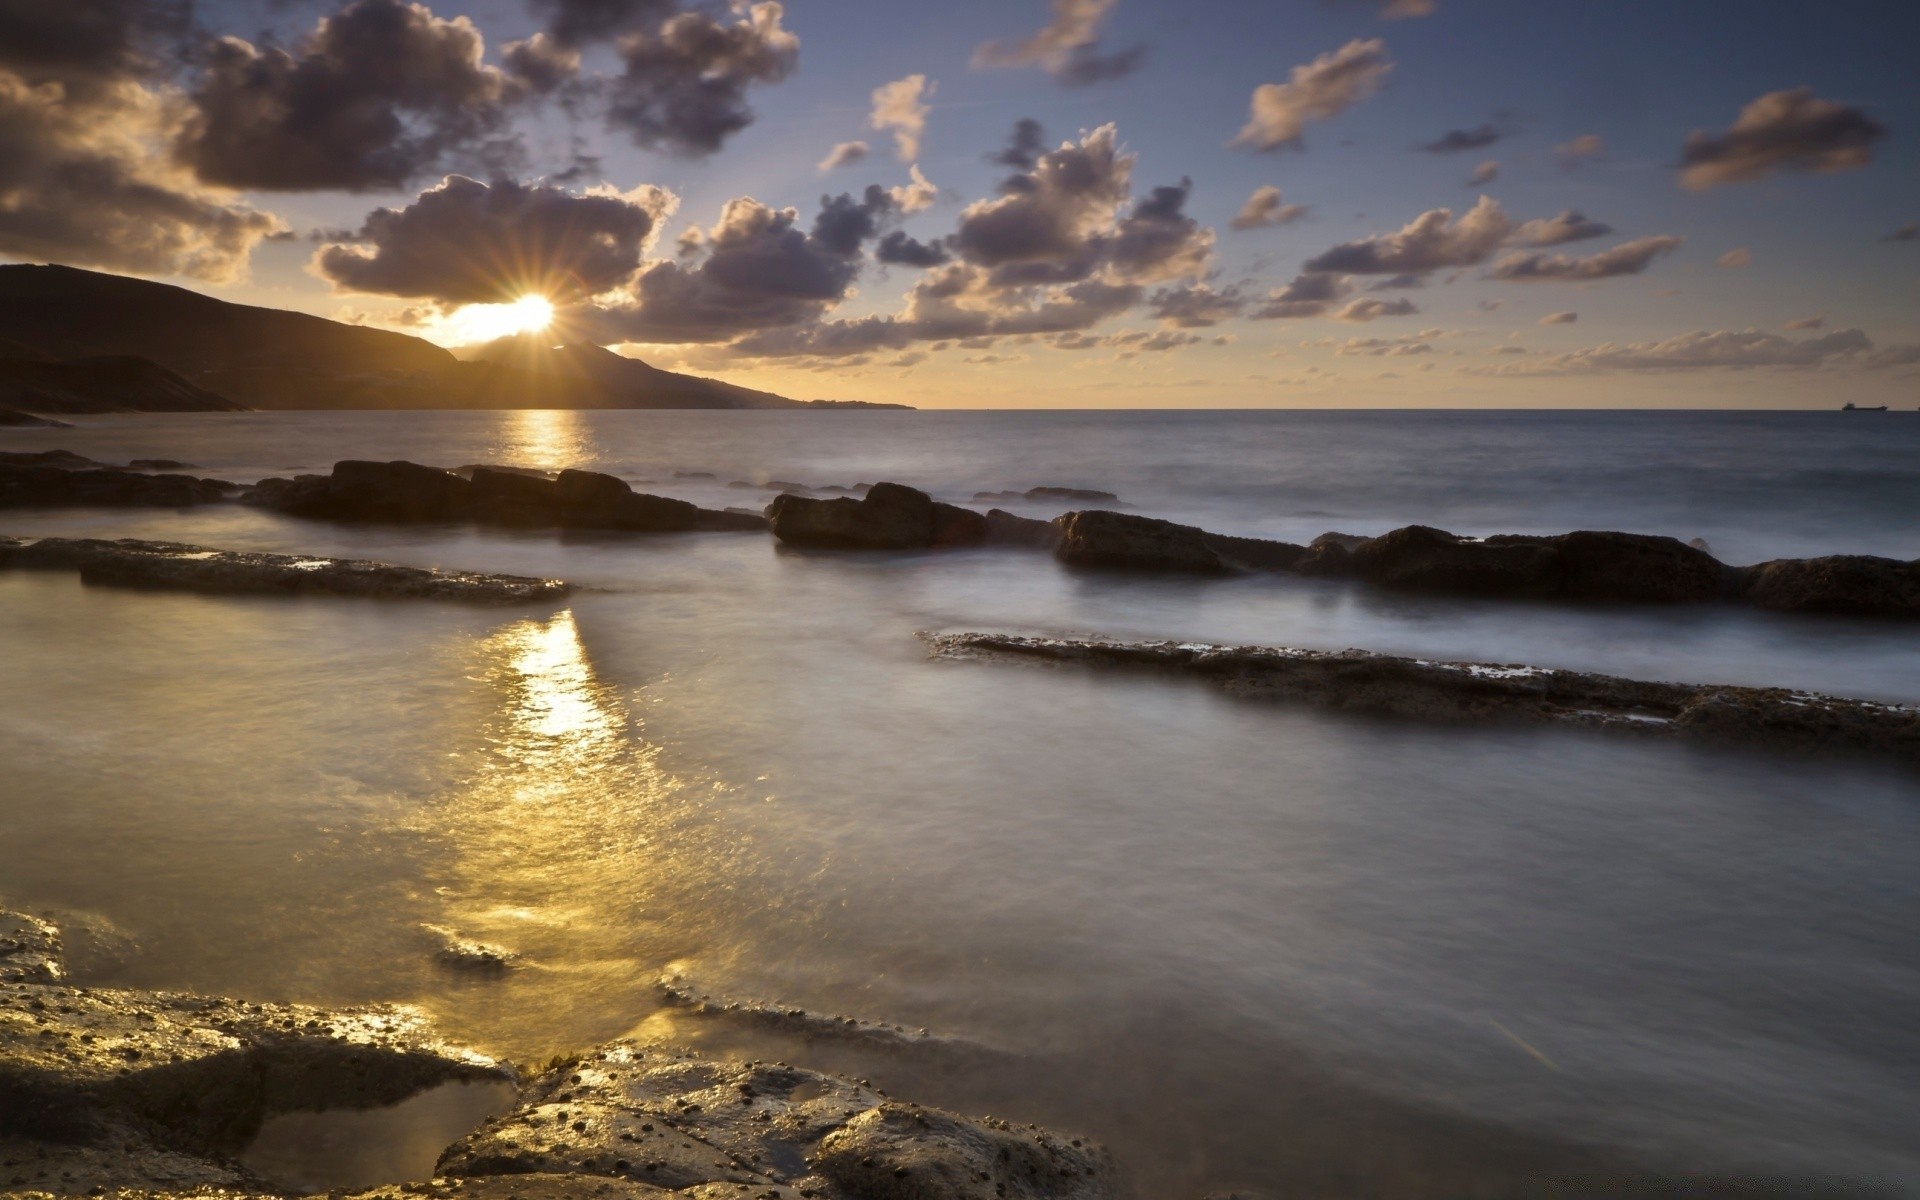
{"type": "Point", "coordinates": [172, 566]}
{"type": "Point", "coordinates": [155, 1094]}
{"type": "Point", "coordinates": [1360, 681]}
{"type": "Point", "coordinates": [409, 492]}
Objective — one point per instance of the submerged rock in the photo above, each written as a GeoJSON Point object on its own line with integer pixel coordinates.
{"type": "Point", "coordinates": [1853, 584]}
{"type": "Point", "coordinates": [1124, 541]}
{"type": "Point", "coordinates": [890, 516]}
{"type": "Point", "coordinates": [172, 566]}
{"type": "Point", "coordinates": [80, 485]}
{"type": "Point", "coordinates": [1457, 691]}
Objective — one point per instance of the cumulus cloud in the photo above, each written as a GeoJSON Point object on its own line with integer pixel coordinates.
{"type": "Point", "coordinates": [1560, 318]}
{"type": "Point", "coordinates": [1051, 217]}
{"type": "Point", "coordinates": [1459, 141]}
{"type": "Point", "coordinates": [684, 85]}
{"type": "Point", "coordinates": [543, 63]}
{"type": "Point", "coordinates": [1733, 260]}
{"type": "Point", "coordinates": [1431, 241]}
{"type": "Point", "coordinates": [577, 22]}
{"type": "Point", "coordinates": [1196, 306]}
{"type": "Point", "coordinates": [901, 106]}
{"type": "Point", "coordinates": [898, 249]}
{"type": "Point", "coordinates": [1025, 145]}
{"type": "Point", "coordinates": [86, 127]}
{"type": "Point", "coordinates": [1628, 258]}
{"type": "Point", "coordinates": [844, 154]}
{"type": "Point", "coordinates": [1791, 130]}
{"type": "Point", "coordinates": [1264, 208]}
{"type": "Point", "coordinates": [1484, 174]}
{"type": "Point", "coordinates": [467, 242]}
{"type": "Point", "coordinates": [1700, 350]}
{"type": "Point", "coordinates": [1068, 48]}
{"type": "Point", "coordinates": [1583, 149]}
{"type": "Point", "coordinates": [1569, 226]}
{"type": "Point", "coordinates": [1312, 294]}
{"type": "Point", "coordinates": [1315, 91]}
{"type": "Point", "coordinates": [377, 95]}
{"type": "Point", "coordinates": [916, 194]}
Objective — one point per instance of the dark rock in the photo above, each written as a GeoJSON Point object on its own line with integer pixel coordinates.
{"type": "Point", "coordinates": [890, 517]}
{"type": "Point", "coordinates": [1329, 554]}
{"type": "Point", "coordinates": [1123, 541]}
{"type": "Point", "coordinates": [14, 418]}
{"type": "Point", "coordinates": [694, 475]}
{"type": "Point", "coordinates": [158, 464]}
{"type": "Point", "coordinates": [512, 498]}
{"type": "Point", "coordinates": [170, 566]}
{"type": "Point", "coordinates": [1585, 565]}
{"type": "Point", "coordinates": [1068, 493]}
{"type": "Point", "coordinates": [45, 458]}
{"type": "Point", "coordinates": [1255, 554]}
{"type": "Point", "coordinates": [1854, 584]}
{"type": "Point", "coordinates": [1006, 529]}
{"type": "Point", "coordinates": [376, 491]}
{"type": "Point", "coordinates": [1454, 691]}
{"type": "Point", "coordinates": [78, 486]}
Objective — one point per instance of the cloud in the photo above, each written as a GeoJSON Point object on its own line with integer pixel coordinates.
{"type": "Point", "coordinates": [1583, 149]}
{"type": "Point", "coordinates": [467, 242]}
{"type": "Point", "coordinates": [1429, 242]}
{"type": "Point", "coordinates": [1312, 294]}
{"type": "Point", "coordinates": [1484, 174]}
{"type": "Point", "coordinates": [543, 63]}
{"type": "Point", "coordinates": [1196, 306]}
{"type": "Point", "coordinates": [1068, 48]}
{"type": "Point", "coordinates": [1806, 323]}
{"type": "Point", "coordinates": [684, 86]}
{"type": "Point", "coordinates": [1458, 141]}
{"type": "Point", "coordinates": [916, 194]}
{"type": "Point", "coordinates": [899, 249]}
{"type": "Point", "coordinates": [1368, 308]}
{"type": "Point", "coordinates": [379, 94]}
{"type": "Point", "coordinates": [1316, 91]}
{"type": "Point", "coordinates": [844, 154]}
{"type": "Point", "coordinates": [1560, 318]}
{"type": "Point", "coordinates": [1791, 130]}
{"type": "Point", "coordinates": [576, 22]}
{"type": "Point", "coordinates": [1372, 347]}
{"type": "Point", "coordinates": [1894, 356]}
{"type": "Point", "coordinates": [1700, 350]}
{"type": "Point", "coordinates": [1628, 258]}
{"type": "Point", "coordinates": [85, 131]}
{"type": "Point", "coordinates": [1264, 208]}
{"type": "Point", "coordinates": [1052, 216]}
{"type": "Point", "coordinates": [1733, 260]}
{"type": "Point", "coordinates": [901, 107]}
{"type": "Point", "coordinates": [1025, 145]}
{"type": "Point", "coordinates": [1570, 226]}
{"type": "Point", "coordinates": [1906, 233]}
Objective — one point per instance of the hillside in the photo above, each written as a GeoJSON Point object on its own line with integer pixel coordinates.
{"type": "Point", "coordinates": [271, 358]}
{"type": "Point", "coordinates": [105, 384]}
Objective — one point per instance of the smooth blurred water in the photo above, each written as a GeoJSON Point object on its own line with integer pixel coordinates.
{"type": "Point", "coordinates": [1247, 945]}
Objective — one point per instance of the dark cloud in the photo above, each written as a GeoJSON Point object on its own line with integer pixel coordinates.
{"type": "Point", "coordinates": [1628, 258]}
{"type": "Point", "coordinates": [1025, 145]}
{"type": "Point", "coordinates": [83, 44]}
{"type": "Point", "coordinates": [1906, 233]}
{"type": "Point", "coordinates": [1458, 141]}
{"type": "Point", "coordinates": [1431, 241]}
{"type": "Point", "coordinates": [1050, 217]}
{"type": "Point", "coordinates": [1312, 294]}
{"type": "Point", "coordinates": [1196, 306]}
{"type": "Point", "coordinates": [1068, 48]}
{"type": "Point", "coordinates": [684, 85]}
{"type": "Point", "coordinates": [1158, 240]}
{"type": "Point", "coordinates": [1791, 130]}
{"type": "Point", "coordinates": [898, 249]}
{"type": "Point", "coordinates": [469, 242]}
{"type": "Point", "coordinates": [1315, 91]}
{"type": "Point", "coordinates": [379, 94]}
{"type": "Point", "coordinates": [845, 223]}
{"type": "Point", "coordinates": [576, 22]}
{"type": "Point", "coordinates": [1569, 226]}
{"type": "Point", "coordinates": [543, 62]}
{"type": "Point", "coordinates": [1700, 350]}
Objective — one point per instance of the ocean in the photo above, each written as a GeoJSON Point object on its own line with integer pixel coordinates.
{"type": "Point", "coordinates": [1248, 946]}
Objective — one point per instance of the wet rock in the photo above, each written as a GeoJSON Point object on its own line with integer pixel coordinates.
{"type": "Point", "coordinates": [60, 479]}
{"type": "Point", "coordinates": [29, 949]}
{"type": "Point", "coordinates": [1041, 494]}
{"type": "Point", "coordinates": [1006, 529]}
{"type": "Point", "coordinates": [636, 1112]}
{"type": "Point", "coordinates": [358, 490]}
{"type": "Point", "coordinates": [14, 418]}
{"type": "Point", "coordinates": [809, 1026]}
{"type": "Point", "coordinates": [891, 516]}
{"type": "Point", "coordinates": [1329, 554]}
{"type": "Point", "coordinates": [1123, 541]}
{"type": "Point", "coordinates": [1854, 584]}
{"type": "Point", "coordinates": [1584, 565]}
{"type": "Point", "coordinates": [1456, 691]}
{"type": "Point", "coordinates": [471, 956]}
{"type": "Point", "coordinates": [172, 566]}
{"type": "Point", "coordinates": [513, 498]}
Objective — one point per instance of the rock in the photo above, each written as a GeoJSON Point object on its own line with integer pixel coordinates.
{"type": "Point", "coordinates": [635, 1112]}
{"type": "Point", "coordinates": [1457, 691]}
{"type": "Point", "coordinates": [158, 464]}
{"type": "Point", "coordinates": [1329, 554]}
{"type": "Point", "coordinates": [468, 955]}
{"type": "Point", "coordinates": [374, 491]}
{"type": "Point", "coordinates": [891, 516]}
{"type": "Point", "coordinates": [62, 486]}
{"type": "Point", "coordinates": [45, 458]}
{"type": "Point", "coordinates": [1854, 584]}
{"type": "Point", "coordinates": [14, 418]}
{"type": "Point", "coordinates": [29, 949]}
{"type": "Point", "coordinates": [171, 566]}
{"type": "Point", "coordinates": [1123, 541]}
{"type": "Point", "coordinates": [1069, 493]}
{"type": "Point", "coordinates": [695, 475]}
{"type": "Point", "coordinates": [1585, 565]}
{"type": "Point", "coordinates": [808, 1026]}
{"type": "Point", "coordinates": [1006, 529]}
{"type": "Point", "coordinates": [513, 498]}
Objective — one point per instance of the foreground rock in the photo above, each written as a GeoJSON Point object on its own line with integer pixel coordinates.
{"type": "Point", "coordinates": [172, 566]}
{"type": "Point", "coordinates": [78, 485]}
{"type": "Point", "coordinates": [890, 516]}
{"type": "Point", "coordinates": [1452, 691]}
{"type": "Point", "coordinates": [409, 492]}
{"type": "Point", "coordinates": [1851, 584]}
{"type": "Point", "coordinates": [154, 1094]}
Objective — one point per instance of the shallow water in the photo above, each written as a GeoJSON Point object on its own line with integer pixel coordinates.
{"type": "Point", "coordinates": [1247, 945]}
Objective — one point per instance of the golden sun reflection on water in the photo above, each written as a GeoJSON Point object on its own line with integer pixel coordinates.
{"type": "Point", "coordinates": [547, 438]}
{"type": "Point", "coordinates": [571, 846]}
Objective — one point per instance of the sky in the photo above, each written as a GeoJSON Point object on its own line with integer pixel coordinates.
{"type": "Point", "coordinates": [1022, 203]}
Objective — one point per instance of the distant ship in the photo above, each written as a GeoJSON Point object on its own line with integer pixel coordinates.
{"type": "Point", "coordinates": [1851, 407]}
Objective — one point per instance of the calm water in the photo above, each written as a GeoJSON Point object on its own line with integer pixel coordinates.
{"type": "Point", "coordinates": [1247, 946]}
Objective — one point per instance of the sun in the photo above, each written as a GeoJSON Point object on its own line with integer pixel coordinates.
{"type": "Point", "coordinates": [486, 322]}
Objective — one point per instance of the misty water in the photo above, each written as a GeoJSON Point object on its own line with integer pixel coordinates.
{"type": "Point", "coordinates": [1246, 945]}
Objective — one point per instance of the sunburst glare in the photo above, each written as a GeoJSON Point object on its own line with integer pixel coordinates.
{"type": "Point", "coordinates": [485, 322]}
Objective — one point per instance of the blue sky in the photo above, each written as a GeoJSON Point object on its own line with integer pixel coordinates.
{"type": "Point", "coordinates": [1638, 76]}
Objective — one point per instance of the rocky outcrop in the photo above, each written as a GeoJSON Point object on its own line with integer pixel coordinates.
{"type": "Point", "coordinates": [1851, 584]}
{"type": "Point", "coordinates": [641, 1113]}
{"type": "Point", "coordinates": [1456, 691]}
{"type": "Point", "coordinates": [890, 516]}
{"type": "Point", "coordinates": [14, 418]}
{"type": "Point", "coordinates": [1045, 494]}
{"type": "Point", "coordinates": [1123, 541]}
{"type": "Point", "coordinates": [1585, 565]}
{"type": "Point", "coordinates": [1007, 529]}
{"type": "Point", "coordinates": [409, 492]}
{"type": "Point", "coordinates": [29, 949]}
{"type": "Point", "coordinates": [171, 566]}
{"type": "Point", "coordinates": [74, 486]}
